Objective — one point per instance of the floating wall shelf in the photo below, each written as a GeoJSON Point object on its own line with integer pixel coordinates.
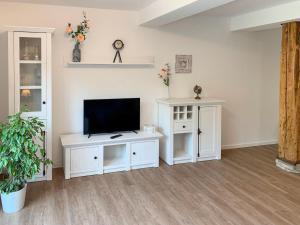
{"type": "Point", "coordinates": [125, 64]}
{"type": "Point", "coordinates": [130, 62]}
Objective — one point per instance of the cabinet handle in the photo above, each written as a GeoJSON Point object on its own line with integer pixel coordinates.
{"type": "Point", "coordinates": [44, 103]}
{"type": "Point", "coordinates": [133, 153]}
{"type": "Point", "coordinates": [95, 157]}
{"type": "Point", "coordinates": [183, 126]}
{"type": "Point", "coordinates": [44, 156]}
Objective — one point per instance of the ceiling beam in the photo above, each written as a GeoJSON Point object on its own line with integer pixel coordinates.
{"type": "Point", "coordinates": [267, 18]}
{"type": "Point", "coordinates": [162, 12]}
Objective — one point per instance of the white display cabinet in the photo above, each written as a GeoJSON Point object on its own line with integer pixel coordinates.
{"type": "Point", "coordinates": [30, 75]}
{"type": "Point", "coordinates": [100, 154]}
{"type": "Point", "coordinates": [191, 129]}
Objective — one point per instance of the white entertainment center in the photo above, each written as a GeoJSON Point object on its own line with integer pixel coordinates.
{"type": "Point", "coordinates": [189, 130]}
{"type": "Point", "coordinates": [100, 154]}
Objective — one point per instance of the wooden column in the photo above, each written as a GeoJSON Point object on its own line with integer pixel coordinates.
{"type": "Point", "coordinates": [289, 137]}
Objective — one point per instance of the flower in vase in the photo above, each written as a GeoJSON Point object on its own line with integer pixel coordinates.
{"type": "Point", "coordinates": [80, 38]}
{"type": "Point", "coordinates": [79, 35]}
{"type": "Point", "coordinates": [164, 74]}
{"type": "Point", "coordinates": [69, 29]}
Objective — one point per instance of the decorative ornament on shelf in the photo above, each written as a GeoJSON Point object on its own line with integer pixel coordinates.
{"type": "Point", "coordinates": [78, 36]}
{"type": "Point", "coordinates": [165, 74]}
{"type": "Point", "coordinates": [118, 45]}
{"type": "Point", "coordinates": [197, 90]}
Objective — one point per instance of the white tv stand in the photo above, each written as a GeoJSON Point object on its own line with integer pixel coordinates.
{"type": "Point", "coordinates": [100, 154]}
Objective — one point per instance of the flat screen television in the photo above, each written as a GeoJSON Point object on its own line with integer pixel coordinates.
{"type": "Point", "coordinates": [111, 115]}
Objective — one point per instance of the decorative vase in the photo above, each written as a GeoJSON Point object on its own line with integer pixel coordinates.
{"type": "Point", "coordinates": [14, 202]}
{"type": "Point", "coordinates": [76, 53]}
{"type": "Point", "coordinates": [169, 94]}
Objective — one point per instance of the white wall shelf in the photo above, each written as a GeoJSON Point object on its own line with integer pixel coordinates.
{"type": "Point", "coordinates": [142, 61]}
{"type": "Point", "coordinates": [108, 64]}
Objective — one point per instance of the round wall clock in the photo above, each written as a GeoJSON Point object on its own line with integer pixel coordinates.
{"type": "Point", "coordinates": [118, 45]}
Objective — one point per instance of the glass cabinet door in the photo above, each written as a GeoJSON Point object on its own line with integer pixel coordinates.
{"type": "Point", "coordinates": [30, 76]}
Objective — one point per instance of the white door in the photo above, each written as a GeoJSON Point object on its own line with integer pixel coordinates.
{"type": "Point", "coordinates": [143, 153]}
{"type": "Point", "coordinates": [207, 125]}
{"type": "Point", "coordinates": [30, 73]}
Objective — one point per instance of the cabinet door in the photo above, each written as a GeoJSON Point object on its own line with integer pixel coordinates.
{"type": "Point", "coordinates": [86, 161]}
{"type": "Point", "coordinates": [143, 153]}
{"type": "Point", "coordinates": [207, 125]}
{"type": "Point", "coordinates": [30, 73]}
{"type": "Point", "coordinates": [42, 173]}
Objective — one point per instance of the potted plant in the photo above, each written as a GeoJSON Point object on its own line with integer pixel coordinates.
{"type": "Point", "coordinates": [21, 154]}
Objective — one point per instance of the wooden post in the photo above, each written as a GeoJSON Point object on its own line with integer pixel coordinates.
{"type": "Point", "coordinates": [289, 137]}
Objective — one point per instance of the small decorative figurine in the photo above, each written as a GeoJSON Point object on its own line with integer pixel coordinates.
{"type": "Point", "coordinates": [118, 45]}
{"type": "Point", "coordinates": [197, 90]}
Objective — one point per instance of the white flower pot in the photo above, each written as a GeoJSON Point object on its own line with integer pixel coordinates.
{"type": "Point", "coordinates": [13, 202]}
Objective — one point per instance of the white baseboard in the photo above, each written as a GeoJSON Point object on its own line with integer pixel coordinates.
{"type": "Point", "coordinates": [287, 166]}
{"type": "Point", "coordinates": [250, 144]}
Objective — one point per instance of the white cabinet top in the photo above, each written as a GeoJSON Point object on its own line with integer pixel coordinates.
{"type": "Point", "coordinates": [73, 140]}
{"type": "Point", "coordinates": [30, 29]}
{"type": "Point", "coordinates": [190, 101]}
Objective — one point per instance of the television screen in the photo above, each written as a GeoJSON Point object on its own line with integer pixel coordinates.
{"type": "Point", "coordinates": [111, 115]}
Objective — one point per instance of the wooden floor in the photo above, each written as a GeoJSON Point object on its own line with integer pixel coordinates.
{"type": "Point", "coordinates": [244, 187]}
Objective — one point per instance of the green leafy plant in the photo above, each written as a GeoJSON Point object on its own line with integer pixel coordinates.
{"type": "Point", "coordinates": [21, 151]}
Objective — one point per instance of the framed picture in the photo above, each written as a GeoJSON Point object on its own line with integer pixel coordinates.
{"type": "Point", "coordinates": [183, 64]}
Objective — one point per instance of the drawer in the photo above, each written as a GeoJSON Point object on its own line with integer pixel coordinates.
{"type": "Point", "coordinates": [85, 160]}
{"type": "Point", "coordinates": [184, 126]}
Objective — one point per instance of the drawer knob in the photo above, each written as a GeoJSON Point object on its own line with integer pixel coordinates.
{"type": "Point", "coordinates": [133, 153]}
{"type": "Point", "coordinates": [95, 157]}
{"type": "Point", "coordinates": [183, 126]}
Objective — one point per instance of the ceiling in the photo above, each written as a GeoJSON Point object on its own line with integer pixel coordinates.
{"type": "Point", "coordinates": [231, 9]}
{"type": "Point", "coordinates": [239, 7]}
{"type": "Point", "coordinates": [104, 4]}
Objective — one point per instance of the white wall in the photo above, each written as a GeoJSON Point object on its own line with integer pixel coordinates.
{"type": "Point", "coordinates": [269, 106]}
{"type": "Point", "coordinates": [225, 64]}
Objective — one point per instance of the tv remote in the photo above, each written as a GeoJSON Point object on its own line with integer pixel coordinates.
{"type": "Point", "coordinates": [116, 136]}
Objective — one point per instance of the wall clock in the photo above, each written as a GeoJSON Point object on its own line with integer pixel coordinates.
{"type": "Point", "coordinates": [118, 45]}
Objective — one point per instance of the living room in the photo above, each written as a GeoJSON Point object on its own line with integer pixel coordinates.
{"type": "Point", "coordinates": [163, 53]}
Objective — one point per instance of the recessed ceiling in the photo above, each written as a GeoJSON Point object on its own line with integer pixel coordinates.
{"type": "Point", "coordinates": [103, 4]}
{"type": "Point", "coordinates": [244, 6]}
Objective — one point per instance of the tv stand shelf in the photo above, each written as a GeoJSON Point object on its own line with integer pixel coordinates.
{"type": "Point", "coordinates": [100, 154]}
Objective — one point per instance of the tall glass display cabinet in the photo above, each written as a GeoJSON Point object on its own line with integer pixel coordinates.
{"type": "Point", "coordinates": [30, 75]}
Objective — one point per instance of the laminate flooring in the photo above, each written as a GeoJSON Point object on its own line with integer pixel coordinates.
{"type": "Point", "coordinates": [245, 187]}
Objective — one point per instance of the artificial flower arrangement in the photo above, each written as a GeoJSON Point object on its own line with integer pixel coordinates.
{"type": "Point", "coordinates": [80, 35]}
{"type": "Point", "coordinates": [164, 74]}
